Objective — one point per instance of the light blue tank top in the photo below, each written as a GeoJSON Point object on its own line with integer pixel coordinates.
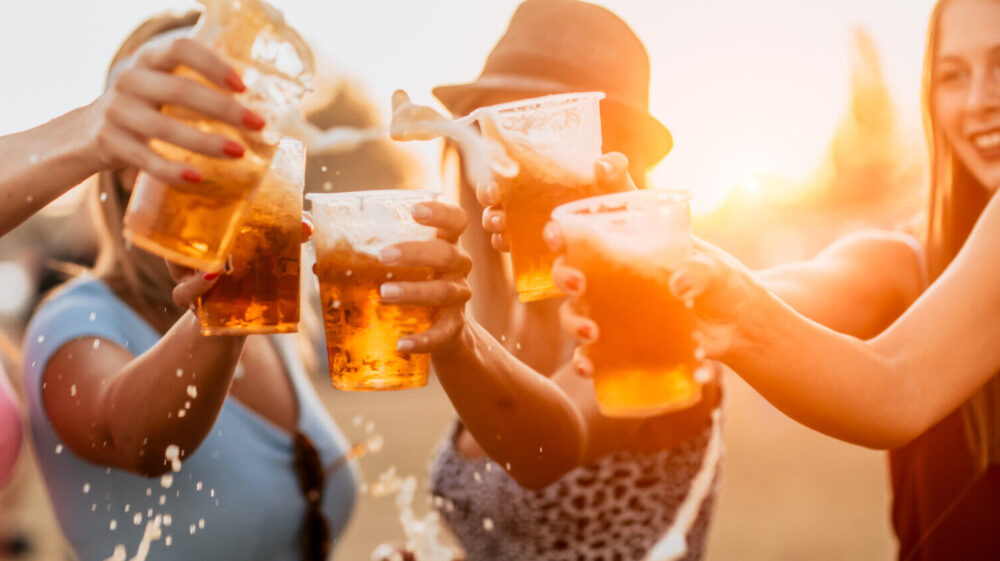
{"type": "Point", "coordinates": [236, 497]}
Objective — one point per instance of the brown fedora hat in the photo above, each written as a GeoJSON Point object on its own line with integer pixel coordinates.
{"type": "Point", "coordinates": [557, 46]}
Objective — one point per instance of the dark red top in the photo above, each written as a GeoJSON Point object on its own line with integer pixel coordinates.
{"type": "Point", "coordinates": [943, 508]}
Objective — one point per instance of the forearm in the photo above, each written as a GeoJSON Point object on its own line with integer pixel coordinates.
{"type": "Point", "coordinates": [535, 337]}
{"type": "Point", "coordinates": [39, 164]}
{"type": "Point", "coordinates": [171, 394]}
{"type": "Point", "coordinates": [521, 419]}
{"type": "Point", "coordinates": [833, 383]}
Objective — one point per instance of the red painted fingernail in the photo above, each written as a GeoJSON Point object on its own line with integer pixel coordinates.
{"type": "Point", "coordinates": [234, 149]}
{"type": "Point", "coordinates": [252, 120]}
{"type": "Point", "coordinates": [580, 370]}
{"type": "Point", "coordinates": [573, 283]}
{"type": "Point", "coordinates": [191, 176]}
{"type": "Point", "coordinates": [211, 276]}
{"type": "Point", "coordinates": [583, 332]}
{"type": "Point", "coordinates": [307, 229]}
{"type": "Point", "coordinates": [234, 82]}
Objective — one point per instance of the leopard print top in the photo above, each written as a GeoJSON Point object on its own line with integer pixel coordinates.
{"type": "Point", "coordinates": [614, 509]}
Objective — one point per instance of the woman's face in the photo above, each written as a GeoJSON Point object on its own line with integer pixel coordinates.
{"type": "Point", "coordinates": [966, 85]}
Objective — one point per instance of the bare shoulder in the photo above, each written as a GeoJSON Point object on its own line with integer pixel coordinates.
{"type": "Point", "coordinates": [893, 259]}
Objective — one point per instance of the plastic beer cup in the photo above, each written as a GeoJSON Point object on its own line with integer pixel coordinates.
{"type": "Point", "coordinates": [361, 332]}
{"type": "Point", "coordinates": [627, 245]}
{"type": "Point", "coordinates": [555, 140]}
{"type": "Point", "coordinates": [195, 225]}
{"type": "Point", "coordinates": [260, 291]}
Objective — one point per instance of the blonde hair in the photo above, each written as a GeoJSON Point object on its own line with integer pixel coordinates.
{"type": "Point", "coordinates": [130, 271]}
{"type": "Point", "coordinates": [956, 201]}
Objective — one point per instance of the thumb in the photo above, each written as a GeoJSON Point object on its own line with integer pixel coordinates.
{"type": "Point", "coordinates": [192, 287]}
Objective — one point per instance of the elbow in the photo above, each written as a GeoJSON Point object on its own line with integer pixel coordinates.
{"type": "Point", "coordinates": [892, 439]}
{"type": "Point", "coordinates": [550, 462]}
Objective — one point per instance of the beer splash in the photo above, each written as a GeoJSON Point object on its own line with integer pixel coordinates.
{"type": "Point", "coordinates": [423, 540]}
{"type": "Point", "coordinates": [481, 156]}
{"type": "Point", "coordinates": [153, 532]}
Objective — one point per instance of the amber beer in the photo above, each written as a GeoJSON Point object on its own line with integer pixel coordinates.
{"type": "Point", "coordinates": [361, 331]}
{"type": "Point", "coordinates": [627, 245]}
{"type": "Point", "coordinates": [555, 140]}
{"type": "Point", "coordinates": [196, 224]}
{"type": "Point", "coordinates": [260, 292]}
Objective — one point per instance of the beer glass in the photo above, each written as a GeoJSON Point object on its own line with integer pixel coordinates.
{"type": "Point", "coordinates": [260, 291]}
{"type": "Point", "coordinates": [627, 245]}
{"type": "Point", "coordinates": [555, 141]}
{"type": "Point", "coordinates": [361, 332]}
{"type": "Point", "coordinates": [195, 224]}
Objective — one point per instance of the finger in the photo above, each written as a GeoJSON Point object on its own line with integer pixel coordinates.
{"type": "Point", "coordinates": [581, 364]}
{"type": "Point", "coordinates": [582, 328]}
{"type": "Point", "coordinates": [697, 276]}
{"type": "Point", "coordinates": [145, 122]}
{"type": "Point", "coordinates": [186, 51]}
{"type": "Point", "coordinates": [449, 220]}
{"type": "Point", "coordinates": [500, 242]}
{"type": "Point", "coordinates": [488, 194]}
{"type": "Point", "coordinates": [552, 234]}
{"type": "Point", "coordinates": [494, 219]}
{"type": "Point", "coordinates": [439, 292]}
{"type": "Point", "coordinates": [567, 279]}
{"type": "Point", "coordinates": [444, 330]}
{"type": "Point", "coordinates": [178, 272]}
{"type": "Point", "coordinates": [127, 148]}
{"type": "Point", "coordinates": [191, 288]}
{"type": "Point", "coordinates": [611, 170]}
{"type": "Point", "coordinates": [436, 254]}
{"type": "Point", "coordinates": [159, 88]}
{"type": "Point", "coordinates": [307, 228]}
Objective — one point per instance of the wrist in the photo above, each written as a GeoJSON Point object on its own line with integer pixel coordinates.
{"type": "Point", "coordinates": [461, 342]}
{"type": "Point", "coordinates": [83, 144]}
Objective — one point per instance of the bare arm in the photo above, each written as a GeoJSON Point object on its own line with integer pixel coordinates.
{"type": "Point", "coordinates": [118, 410]}
{"type": "Point", "coordinates": [39, 164]}
{"type": "Point", "coordinates": [857, 286]}
{"type": "Point", "coordinates": [122, 411]}
{"type": "Point", "coordinates": [519, 417]}
{"type": "Point", "coordinates": [881, 393]}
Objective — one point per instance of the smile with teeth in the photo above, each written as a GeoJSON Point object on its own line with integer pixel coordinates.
{"type": "Point", "coordinates": [987, 140]}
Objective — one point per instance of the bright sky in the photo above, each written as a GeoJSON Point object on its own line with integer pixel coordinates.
{"type": "Point", "coordinates": [745, 86]}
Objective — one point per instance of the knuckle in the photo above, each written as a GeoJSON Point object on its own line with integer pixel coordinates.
{"type": "Point", "coordinates": [179, 47]}
{"type": "Point", "coordinates": [158, 127]}
{"type": "Point", "coordinates": [175, 88]}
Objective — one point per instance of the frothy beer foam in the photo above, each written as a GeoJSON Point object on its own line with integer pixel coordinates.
{"type": "Point", "coordinates": [655, 256]}
{"type": "Point", "coordinates": [368, 224]}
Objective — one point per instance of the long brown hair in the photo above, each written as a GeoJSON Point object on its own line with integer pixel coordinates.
{"type": "Point", "coordinates": [139, 277]}
{"type": "Point", "coordinates": [956, 201]}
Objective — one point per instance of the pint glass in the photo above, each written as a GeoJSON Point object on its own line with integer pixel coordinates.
{"type": "Point", "coordinates": [260, 291]}
{"type": "Point", "coordinates": [555, 141]}
{"type": "Point", "coordinates": [627, 245]}
{"type": "Point", "coordinates": [195, 224]}
{"type": "Point", "coordinates": [361, 332]}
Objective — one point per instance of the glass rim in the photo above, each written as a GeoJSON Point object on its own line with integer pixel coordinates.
{"type": "Point", "coordinates": [570, 211]}
{"type": "Point", "coordinates": [556, 98]}
{"type": "Point", "coordinates": [374, 194]}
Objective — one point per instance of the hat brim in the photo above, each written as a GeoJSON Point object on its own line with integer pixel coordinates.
{"type": "Point", "coordinates": [653, 139]}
